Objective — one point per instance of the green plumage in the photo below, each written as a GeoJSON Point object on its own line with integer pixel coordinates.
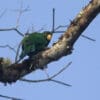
{"type": "Point", "coordinates": [34, 43]}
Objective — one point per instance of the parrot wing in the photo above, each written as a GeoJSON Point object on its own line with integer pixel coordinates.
{"type": "Point", "coordinates": [27, 47]}
{"type": "Point", "coordinates": [32, 44]}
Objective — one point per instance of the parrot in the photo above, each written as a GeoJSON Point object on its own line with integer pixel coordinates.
{"type": "Point", "coordinates": [34, 43]}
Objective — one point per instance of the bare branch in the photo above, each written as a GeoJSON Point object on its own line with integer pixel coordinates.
{"type": "Point", "coordinates": [17, 53]}
{"type": "Point", "coordinates": [53, 23]}
{"type": "Point", "coordinates": [45, 80]}
{"type": "Point", "coordinates": [8, 46]}
{"type": "Point", "coordinates": [21, 11]}
{"type": "Point", "coordinates": [84, 36]}
{"type": "Point", "coordinates": [59, 72]}
{"type": "Point", "coordinates": [50, 78]}
{"type": "Point", "coordinates": [8, 97]}
{"type": "Point", "coordinates": [64, 26]}
{"type": "Point", "coordinates": [60, 26]}
{"type": "Point", "coordinates": [3, 13]}
{"type": "Point", "coordinates": [60, 82]}
{"type": "Point", "coordinates": [12, 29]}
{"type": "Point", "coordinates": [19, 32]}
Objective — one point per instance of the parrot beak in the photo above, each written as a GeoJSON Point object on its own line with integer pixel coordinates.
{"type": "Point", "coordinates": [49, 36]}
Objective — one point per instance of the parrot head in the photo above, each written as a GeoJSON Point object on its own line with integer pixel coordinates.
{"type": "Point", "coordinates": [48, 35]}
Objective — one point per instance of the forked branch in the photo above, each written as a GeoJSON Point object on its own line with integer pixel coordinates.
{"type": "Point", "coordinates": [49, 79]}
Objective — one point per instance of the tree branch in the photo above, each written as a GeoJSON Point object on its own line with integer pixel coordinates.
{"type": "Point", "coordinates": [21, 11]}
{"type": "Point", "coordinates": [11, 98]}
{"type": "Point", "coordinates": [12, 29]}
{"type": "Point", "coordinates": [8, 46]}
{"type": "Point", "coordinates": [61, 48]}
{"type": "Point", "coordinates": [50, 78]}
{"type": "Point", "coordinates": [2, 13]}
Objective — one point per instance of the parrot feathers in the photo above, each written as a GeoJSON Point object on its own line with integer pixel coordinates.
{"type": "Point", "coordinates": [34, 43]}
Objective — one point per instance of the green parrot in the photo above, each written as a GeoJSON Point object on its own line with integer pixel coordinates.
{"type": "Point", "coordinates": [34, 43]}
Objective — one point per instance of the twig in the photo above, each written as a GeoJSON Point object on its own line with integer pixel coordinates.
{"type": "Point", "coordinates": [50, 78]}
{"type": "Point", "coordinates": [8, 46]}
{"type": "Point", "coordinates": [41, 29]}
{"type": "Point", "coordinates": [84, 36]}
{"type": "Point", "coordinates": [2, 13]}
{"type": "Point", "coordinates": [21, 11]}
{"type": "Point", "coordinates": [12, 29]}
{"type": "Point", "coordinates": [7, 97]}
{"type": "Point", "coordinates": [59, 72]}
{"type": "Point", "coordinates": [60, 82]}
{"type": "Point", "coordinates": [45, 70]}
{"type": "Point", "coordinates": [53, 23]}
{"type": "Point", "coordinates": [19, 16]}
{"type": "Point", "coordinates": [64, 26]}
{"type": "Point", "coordinates": [17, 53]}
{"type": "Point", "coordinates": [19, 32]}
{"type": "Point", "coordinates": [61, 26]}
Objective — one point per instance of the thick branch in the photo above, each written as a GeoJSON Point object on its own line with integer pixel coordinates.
{"type": "Point", "coordinates": [61, 48]}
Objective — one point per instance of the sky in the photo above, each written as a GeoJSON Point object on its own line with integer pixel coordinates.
{"type": "Point", "coordinates": [83, 74]}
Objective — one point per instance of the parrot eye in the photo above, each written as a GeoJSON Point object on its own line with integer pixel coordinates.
{"type": "Point", "coordinates": [49, 36]}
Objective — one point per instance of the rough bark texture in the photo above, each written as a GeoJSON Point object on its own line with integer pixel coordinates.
{"type": "Point", "coordinates": [61, 48]}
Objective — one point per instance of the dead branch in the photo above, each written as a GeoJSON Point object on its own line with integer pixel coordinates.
{"type": "Point", "coordinates": [12, 29]}
{"type": "Point", "coordinates": [21, 11]}
{"type": "Point", "coordinates": [45, 80]}
{"type": "Point", "coordinates": [17, 53]}
{"type": "Point", "coordinates": [60, 82]}
{"type": "Point", "coordinates": [11, 98]}
{"type": "Point", "coordinates": [8, 46]}
{"type": "Point", "coordinates": [50, 78]}
{"type": "Point", "coordinates": [61, 48]}
{"type": "Point", "coordinates": [64, 26]}
{"type": "Point", "coordinates": [88, 38]}
{"type": "Point", "coordinates": [2, 13]}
